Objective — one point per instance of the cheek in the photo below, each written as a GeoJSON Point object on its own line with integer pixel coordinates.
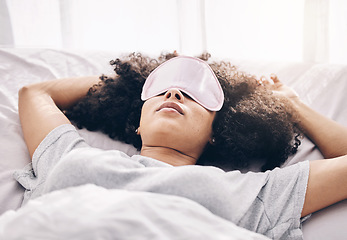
{"type": "Point", "coordinates": [143, 115]}
{"type": "Point", "coordinates": [146, 108]}
{"type": "Point", "coordinates": [202, 123]}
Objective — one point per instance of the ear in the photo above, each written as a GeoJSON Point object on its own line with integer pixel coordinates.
{"type": "Point", "coordinates": [212, 141]}
{"type": "Point", "coordinates": [138, 131]}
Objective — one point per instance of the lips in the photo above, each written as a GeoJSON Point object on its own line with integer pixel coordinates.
{"type": "Point", "coordinates": [171, 105]}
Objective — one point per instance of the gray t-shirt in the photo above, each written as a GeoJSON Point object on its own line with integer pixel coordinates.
{"type": "Point", "coordinates": [268, 203]}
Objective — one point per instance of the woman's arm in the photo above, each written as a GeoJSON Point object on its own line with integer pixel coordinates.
{"type": "Point", "coordinates": [40, 106]}
{"type": "Point", "coordinates": [329, 136]}
{"type": "Point", "coordinates": [327, 183]}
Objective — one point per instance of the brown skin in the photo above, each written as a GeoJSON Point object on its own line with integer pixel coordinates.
{"type": "Point", "coordinates": [174, 137]}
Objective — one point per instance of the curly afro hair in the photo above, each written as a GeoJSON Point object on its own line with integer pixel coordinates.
{"type": "Point", "coordinates": [252, 125]}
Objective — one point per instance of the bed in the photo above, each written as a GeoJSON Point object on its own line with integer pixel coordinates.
{"type": "Point", "coordinates": [321, 86]}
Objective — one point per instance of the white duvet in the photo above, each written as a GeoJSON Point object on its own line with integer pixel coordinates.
{"type": "Point", "coordinates": [90, 212]}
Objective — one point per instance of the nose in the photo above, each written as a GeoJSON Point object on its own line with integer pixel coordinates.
{"type": "Point", "coordinates": [174, 93]}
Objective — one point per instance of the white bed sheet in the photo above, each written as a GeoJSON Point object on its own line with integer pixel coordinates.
{"type": "Point", "coordinates": [322, 86]}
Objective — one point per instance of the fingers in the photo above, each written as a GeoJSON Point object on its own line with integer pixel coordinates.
{"type": "Point", "coordinates": [266, 82]}
{"type": "Point", "coordinates": [263, 81]}
{"type": "Point", "coordinates": [274, 78]}
{"type": "Point", "coordinates": [274, 82]}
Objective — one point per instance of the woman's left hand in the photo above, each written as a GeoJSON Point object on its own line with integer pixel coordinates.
{"type": "Point", "coordinates": [279, 89]}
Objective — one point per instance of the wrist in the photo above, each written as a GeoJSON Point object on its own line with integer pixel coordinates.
{"type": "Point", "coordinates": [296, 102]}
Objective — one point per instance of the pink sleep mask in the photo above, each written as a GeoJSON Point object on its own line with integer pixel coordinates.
{"type": "Point", "coordinates": [190, 75]}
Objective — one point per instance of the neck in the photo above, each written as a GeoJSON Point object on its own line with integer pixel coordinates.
{"type": "Point", "coordinates": [168, 155]}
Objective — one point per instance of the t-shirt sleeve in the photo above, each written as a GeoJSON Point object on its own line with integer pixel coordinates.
{"type": "Point", "coordinates": [281, 200]}
{"type": "Point", "coordinates": [53, 147]}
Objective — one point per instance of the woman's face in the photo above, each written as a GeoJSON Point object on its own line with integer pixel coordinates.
{"type": "Point", "coordinates": [175, 121]}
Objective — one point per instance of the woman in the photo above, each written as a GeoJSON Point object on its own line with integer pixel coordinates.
{"type": "Point", "coordinates": [177, 128]}
{"type": "Point", "coordinates": [252, 128]}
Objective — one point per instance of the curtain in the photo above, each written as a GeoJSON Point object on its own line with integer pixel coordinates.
{"type": "Point", "coordinates": [6, 35]}
{"type": "Point", "coordinates": [252, 29]}
{"type": "Point", "coordinates": [132, 25]}
{"type": "Point", "coordinates": [316, 31]}
{"type": "Point", "coordinates": [272, 30]}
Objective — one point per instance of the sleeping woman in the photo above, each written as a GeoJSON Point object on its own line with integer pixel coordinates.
{"type": "Point", "coordinates": [196, 124]}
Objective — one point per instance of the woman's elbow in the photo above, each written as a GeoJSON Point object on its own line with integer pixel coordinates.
{"type": "Point", "coordinates": [27, 96]}
{"type": "Point", "coordinates": [28, 91]}
{"type": "Point", "coordinates": [23, 94]}
{"type": "Point", "coordinates": [25, 90]}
